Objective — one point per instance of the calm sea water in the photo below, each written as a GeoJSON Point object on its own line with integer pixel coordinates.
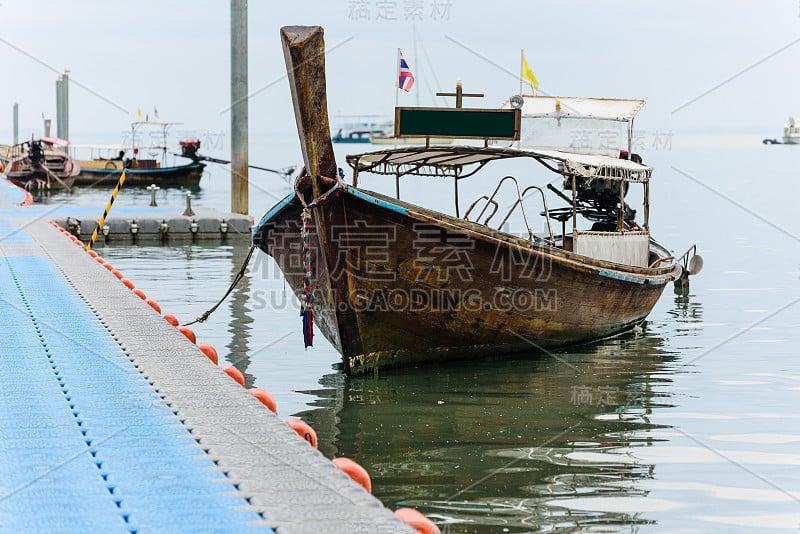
{"type": "Point", "coordinates": [691, 425]}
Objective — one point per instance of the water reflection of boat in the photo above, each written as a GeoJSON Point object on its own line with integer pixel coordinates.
{"type": "Point", "coordinates": [42, 163]}
{"type": "Point", "coordinates": [505, 442]}
{"type": "Point", "coordinates": [398, 284]}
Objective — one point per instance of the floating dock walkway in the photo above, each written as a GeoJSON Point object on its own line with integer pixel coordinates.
{"type": "Point", "coordinates": [113, 421]}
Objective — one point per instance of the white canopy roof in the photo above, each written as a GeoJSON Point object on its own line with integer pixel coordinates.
{"type": "Point", "coordinates": [600, 108]}
{"type": "Point", "coordinates": [455, 161]}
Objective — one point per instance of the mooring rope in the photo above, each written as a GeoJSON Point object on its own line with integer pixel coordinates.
{"type": "Point", "coordinates": [204, 317]}
{"type": "Point", "coordinates": [307, 307]}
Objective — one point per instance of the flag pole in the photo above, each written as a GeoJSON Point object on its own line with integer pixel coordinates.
{"type": "Point", "coordinates": [521, 59]}
{"type": "Point", "coordinates": [397, 81]}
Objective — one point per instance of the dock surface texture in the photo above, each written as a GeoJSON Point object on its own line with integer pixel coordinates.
{"type": "Point", "coordinates": [113, 421]}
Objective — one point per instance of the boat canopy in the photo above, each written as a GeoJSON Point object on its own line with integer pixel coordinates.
{"type": "Point", "coordinates": [157, 123]}
{"type": "Point", "coordinates": [116, 146]}
{"type": "Point", "coordinates": [463, 161]}
{"type": "Point", "coordinates": [569, 106]}
{"type": "Point", "coordinates": [55, 141]}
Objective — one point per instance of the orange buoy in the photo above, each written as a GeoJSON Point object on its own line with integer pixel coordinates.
{"type": "Point", "coordinates": [265, 398]}
{"type": "Point", "coordinates": [153, 304]}
{"type": "Point", "coordinates": [417, 521]}
{"type": "Point", "coordinates": [127, 283]}
{"type": "Point", "coordinates": [118, 274]}
{"type": "Point", "coordinates": [186, 331]}
{"type": "Point", "coordinates": [139, 293]}
{"type": "Point", "coordinates": [171, 319]}
{"type": "Point", "coordinates": [109, 266]}
{"type": "Point", "coordinates": [209, 351]}
{"type": "Point", "coordinates": [234, 373]}
{"type": "Point", "coordinates": [357, 473]}
{"type": "Point", "coordinates": [92, 253]}
{"type": "Point", "coordinates": [100, 260]}
{"type": "Point", "coordinates": [303, 430]}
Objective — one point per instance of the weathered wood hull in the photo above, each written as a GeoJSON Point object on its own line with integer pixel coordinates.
{"type": "Point", "coordinates": [412, 285]}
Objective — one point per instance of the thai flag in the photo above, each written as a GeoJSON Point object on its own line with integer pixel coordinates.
{"type": "Point", "coordinates": [406, 76]}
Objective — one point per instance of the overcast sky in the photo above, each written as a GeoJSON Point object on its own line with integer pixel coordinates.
{"type": "Point", "coordinates": [175, 56]}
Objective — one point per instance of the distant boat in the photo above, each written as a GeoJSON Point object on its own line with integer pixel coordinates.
{"type": "Point", "coordinates": [392, 140]}
{"type": "Point", "coordinates": [42, 163]}
{"type": "Point", "coordinates": [791, 132]}
{"type": "Point", "coordinates": [144, 171]}
{"type": "Point", "coordinates": [361, 131]}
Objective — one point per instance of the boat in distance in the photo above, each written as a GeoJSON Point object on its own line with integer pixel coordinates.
{"type": "Point", "coordinates": [391, 283]}
{"type": "Point", "coordinates": [142, 170]}
{"type": "Point", "coordinates": [41, 163]}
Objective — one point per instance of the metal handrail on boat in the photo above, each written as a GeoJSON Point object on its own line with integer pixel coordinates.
{"type": "Point", "coordinates": [546, 212]}
{"type": "Point", "coordinates": [519, 201]}
{"type": "Point", "coordinates": [488, 201]}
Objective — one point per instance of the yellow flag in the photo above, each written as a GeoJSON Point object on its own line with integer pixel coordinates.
{"type": "Point", "coordinates": [139, 110]}
{"type": "Point", "coordinates": [528, 74]}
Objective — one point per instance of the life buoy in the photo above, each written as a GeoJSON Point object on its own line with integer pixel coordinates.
{"type": "Point", "coordinates": [356, 473]}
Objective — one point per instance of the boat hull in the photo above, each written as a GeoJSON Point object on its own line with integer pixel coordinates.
{"type": "Point", "coordinates": [183, 175]}
{"type": "Point", "coordinates": [399, 284]}
{"type": "Point", "coordinates": [39, 180]}
{"type": "Point", "coordinates": [350, 140]}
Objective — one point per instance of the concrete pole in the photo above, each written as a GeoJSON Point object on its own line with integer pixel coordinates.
{"type": "Point", "coordinates": [16, 123]}
{"type": "Point", "coordinates": [239, 138]}
{"type": "Point", "coordinates": [65, 105]}
{"type": "Point", "coordinates": [59, 107]}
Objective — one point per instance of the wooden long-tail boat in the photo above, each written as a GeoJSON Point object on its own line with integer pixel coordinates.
{"type": "Point", "coordinates": [42, 163]}
{"type": "Point", "coordinates": [392, 283]}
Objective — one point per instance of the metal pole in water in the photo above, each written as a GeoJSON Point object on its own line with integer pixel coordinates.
{"type": "Point", "coordinates": [65, 106]}
{"type": "Point", "coordinates": [16, 123]}
{"type": "Point", "coordinates": [239, 137]}
{"type": "Point", "coordinates": [59, 107]}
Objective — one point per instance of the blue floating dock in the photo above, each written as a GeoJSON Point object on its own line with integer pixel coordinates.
{"type": "Point", "coordinates": [112, 421]}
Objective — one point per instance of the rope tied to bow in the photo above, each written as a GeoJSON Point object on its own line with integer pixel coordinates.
{"type": "Point", "coordinates": [307, 307]}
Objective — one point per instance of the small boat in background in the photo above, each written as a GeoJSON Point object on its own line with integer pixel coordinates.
{"type": "Point", "coordinates": [393, 140]}
{"type": "Point", "coordinates": [42, 163]}
{"type": "Point", "coordinates": [361, 131]}
{"type": "Point", "coordinates": [791, 132]}
{"type": "Point", "coordinates": [100, 170]}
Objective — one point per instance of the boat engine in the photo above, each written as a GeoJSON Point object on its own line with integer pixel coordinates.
{"type": "Point", "coordinates": [189, 148]}
{"type": "Point", "coordinates": [598, 198]}
{"type": "Point", "coordinates": [36, 153]}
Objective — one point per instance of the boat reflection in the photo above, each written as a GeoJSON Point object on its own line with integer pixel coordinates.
{"type": "Point", "coordinates": [511, 444]}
